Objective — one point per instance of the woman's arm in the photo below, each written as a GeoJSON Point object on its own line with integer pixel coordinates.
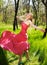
{"type": "Point", "coordinates": [36, 27]}
{"type": "Point", "coordinates": [20, 18]}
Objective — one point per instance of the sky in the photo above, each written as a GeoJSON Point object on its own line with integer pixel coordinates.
{"type": "Point", "coordinates": [13, 2]}
{"type": "Point", "coordinates": [30, 2]}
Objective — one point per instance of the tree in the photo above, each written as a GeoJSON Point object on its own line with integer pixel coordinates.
{"type": "Point", "coordinates": [45, 3]}
{"type": "Point", "coordinates": [3, 9]}
{"type": "Point", "coordinates": [26, 5]}
{"type": "Point", "coordinates": [36, 9]}
{"type": "Point", "coordinates": [5, 14]}
{"type": "Point", "coordinates": [1, 3]}
{"type": "Point", "coordinates": [16, 11]}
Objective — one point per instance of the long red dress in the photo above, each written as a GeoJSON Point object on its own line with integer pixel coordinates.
{"type": "Point", "coordinates": [15, 43]}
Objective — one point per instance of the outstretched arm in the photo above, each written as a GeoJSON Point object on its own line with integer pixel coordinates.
{"type": "Point", "coordinates": [36, 27]}
{"type": "Point", "coordinates": [21, 17]}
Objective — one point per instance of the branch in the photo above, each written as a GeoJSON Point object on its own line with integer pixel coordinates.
{"type": "Point", "coordinates": [16, 6]}
{"type": "Point", "coordinates": [43, 2]}
{"type": "Point", "coordinates": [34, 5]}
{"type": "Point", "coordinates": [3, 8]}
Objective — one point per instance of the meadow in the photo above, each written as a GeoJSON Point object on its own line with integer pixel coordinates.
{"type": "Point", "coordinates": [38, 47]}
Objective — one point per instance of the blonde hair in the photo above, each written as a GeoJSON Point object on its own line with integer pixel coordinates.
{"type": "Point", "coordinates": [29, 16]}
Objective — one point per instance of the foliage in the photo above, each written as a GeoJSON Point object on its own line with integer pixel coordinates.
{"type": "Point", "coordinates": [3, 59]}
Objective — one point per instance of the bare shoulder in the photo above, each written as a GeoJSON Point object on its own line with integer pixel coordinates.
{"type": "Point", "coordinates": [28, 22]}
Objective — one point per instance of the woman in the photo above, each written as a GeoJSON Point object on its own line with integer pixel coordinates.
{"type": "Point", "coordinates": [18, 43]}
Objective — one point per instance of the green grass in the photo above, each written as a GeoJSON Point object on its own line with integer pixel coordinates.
{"type": "Point", "coordinates": [38, 47]}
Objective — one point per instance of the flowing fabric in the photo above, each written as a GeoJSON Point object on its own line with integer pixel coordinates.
{"type": "Point", "coordinates": [15, 43]}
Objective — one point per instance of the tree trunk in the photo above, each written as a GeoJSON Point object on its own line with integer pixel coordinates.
{"type": "Point", "coordinates": [16, 11]}
{"type": "Point", "coordinates": [46, 25]}
{"type": "Point", "coordinates": [35, 17]}
{"type": "Point", "coordinates": [45, 3]}
{"type": "Point", "coordinates": [46, 16]}
{"type": "Point", "coordinates": [5, 14]}
{"type": "Point", "coordinates": [35, 11]}
{"type": "Point", "coordinates": [28, 6]}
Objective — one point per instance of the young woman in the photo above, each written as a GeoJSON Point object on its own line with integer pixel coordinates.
{"type": "Point", "coordinates": [18, 43]}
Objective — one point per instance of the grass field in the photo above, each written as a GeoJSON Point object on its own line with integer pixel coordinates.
{"type": "Point", "coordinates": [38, 47]}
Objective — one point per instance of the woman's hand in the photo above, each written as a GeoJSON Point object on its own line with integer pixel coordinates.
{"type": "Point", "coordinates": [42, 30]}
{"type": "Point", "coordinates": [36, 27]}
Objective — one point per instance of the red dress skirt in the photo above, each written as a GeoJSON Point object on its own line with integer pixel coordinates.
{"type": "Point", "coordinates": [15, 43]}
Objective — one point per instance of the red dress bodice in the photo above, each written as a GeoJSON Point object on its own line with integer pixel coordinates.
{"type": "Point", "coordinates": [22, 36]}
{"type": "Point", "coordinates": [24, 27]}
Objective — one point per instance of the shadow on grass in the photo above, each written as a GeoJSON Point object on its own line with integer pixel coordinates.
{"type": "Point", "coordinates": [13, 60]}
{"type": "Point", "coordinates": [3, 58]}
{"type": "Point", "coordinates": [11, 57]}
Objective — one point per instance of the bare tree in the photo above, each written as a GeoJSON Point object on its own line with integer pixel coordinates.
{"type": "Point", "coordinates": [4, 10]}
{"type": "Point", "coordinates": [5, 14]}
{"type": "Point", "coordinates": [26, 4]}
{"type": "Point", "coordinates": [16, 10]}
{"type": "Point", "coordinates": [36, 9]}
{"type": "Point", "coordinates": [45, 3]}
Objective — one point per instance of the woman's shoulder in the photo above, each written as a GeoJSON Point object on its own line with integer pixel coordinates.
{"type": "Point", "coordinates": [27, 22]}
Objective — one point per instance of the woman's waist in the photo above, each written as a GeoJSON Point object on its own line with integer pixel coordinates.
{"type": "Point", "coordinates": [24, 35]}
{"type": "Point", "coordinates": [23, 32]}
